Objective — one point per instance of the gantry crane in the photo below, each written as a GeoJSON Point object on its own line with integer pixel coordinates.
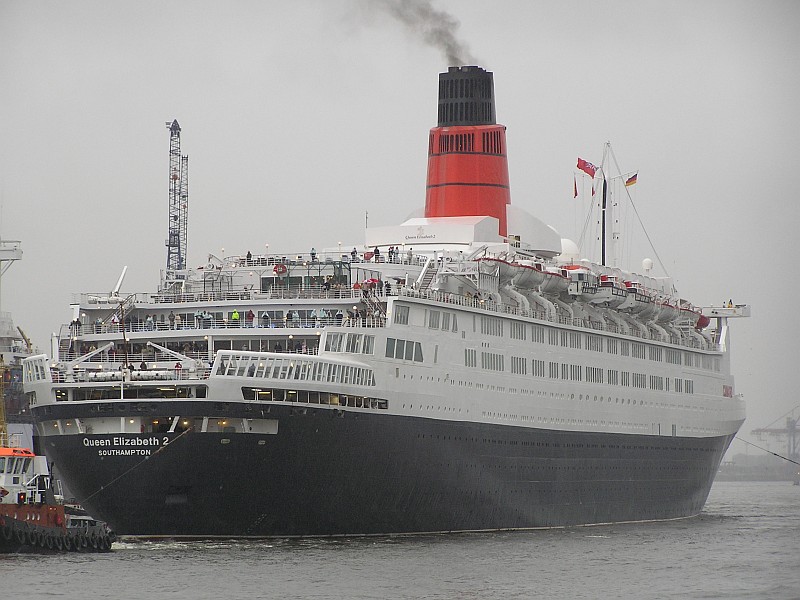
{"type": "Point", "coordinates": [790, 433]}
{"type": "Point", "coordinates": [178, 200]}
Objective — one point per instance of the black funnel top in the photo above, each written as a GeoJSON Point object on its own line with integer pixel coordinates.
{"type": "Point", "coordinates": [466, 97]}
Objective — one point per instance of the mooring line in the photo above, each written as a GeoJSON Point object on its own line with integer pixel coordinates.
{"type": "Point", "coordinates": [768, 451]}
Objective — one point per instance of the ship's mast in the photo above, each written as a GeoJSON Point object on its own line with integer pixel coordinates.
{"type": "Point", "coordinates": [178, 201]}
{"type": "Point", "coordinates": [604, 205]}
{"type": "Point", "coordinates": [603, 212]}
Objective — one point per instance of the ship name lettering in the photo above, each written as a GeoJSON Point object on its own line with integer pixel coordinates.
{"type": "Point", "coordinates": [121, 441]}
{"type": "Point", "coordinates": [119, 452]}
{"type": "Point", "coordinates": [88, 442]}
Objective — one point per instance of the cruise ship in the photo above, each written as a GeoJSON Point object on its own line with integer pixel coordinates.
{"type": "Point", "coordinates": [463, 371]}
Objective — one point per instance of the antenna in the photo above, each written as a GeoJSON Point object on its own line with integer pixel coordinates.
{"type": "Point", "coordinates": [178, 200]}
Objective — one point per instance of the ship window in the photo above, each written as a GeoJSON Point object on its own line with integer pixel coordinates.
{"type": "Point", "coordinates": [470, 357]}
{"type": "Point", "coordinates": [401, 315]}
{"type": "Point", "coordinates": [538, 368]}
{"type": "Point", "coordinates": [354, 342]}
{"type": "Point", "coordinates": [333, 342]}
{"type": "Point", "coordinates": [594, 343]}
{"type": "Point", "coordinates": [518, 365]}
{"type": "Point", "coordinates": [369, 344]}
{"type": "Point", "coordinates": [2, 464]}
{"type": "Point", "coordinates": [574, 339]}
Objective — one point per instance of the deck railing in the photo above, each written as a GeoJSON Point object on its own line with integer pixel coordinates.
{"type": "Point", "coordinates": [202, 323]}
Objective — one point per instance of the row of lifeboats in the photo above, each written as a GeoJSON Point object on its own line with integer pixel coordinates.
{"type": "Point", "coordinates": [647, 298]}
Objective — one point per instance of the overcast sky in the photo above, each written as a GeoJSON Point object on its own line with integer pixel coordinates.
{"type": "Point", "coordinates": [298, 117]}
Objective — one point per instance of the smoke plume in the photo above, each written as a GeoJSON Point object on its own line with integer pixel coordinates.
{"type": "Point", "coordinates": [434, 27]}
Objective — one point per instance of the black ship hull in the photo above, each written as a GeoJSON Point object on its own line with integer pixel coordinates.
{"type": "Point", "coordinates": [330, 471]}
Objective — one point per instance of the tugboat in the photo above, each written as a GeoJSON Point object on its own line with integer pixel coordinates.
{"type": "Point", "coordinates": [30, 518]}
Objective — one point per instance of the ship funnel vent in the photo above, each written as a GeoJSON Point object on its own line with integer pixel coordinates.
{"type": "Point", "coordinates": [466, 97]}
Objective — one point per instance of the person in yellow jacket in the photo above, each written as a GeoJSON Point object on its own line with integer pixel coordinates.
{"type": "Point", "coordinates": [235, 318]}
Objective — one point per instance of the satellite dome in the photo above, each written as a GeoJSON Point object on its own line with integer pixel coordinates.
{"type": "Point", "coordinates": [569, 251]}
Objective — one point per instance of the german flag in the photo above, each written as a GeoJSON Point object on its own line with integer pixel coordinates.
{"type": "Point", "coordinates": [631, 180]}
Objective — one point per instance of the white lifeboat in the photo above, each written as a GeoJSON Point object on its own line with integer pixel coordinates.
{"type": "Point", "coordinates": [583, 282]}
{"type": "Point", "coordinates": [688, 314]}
{"type": "Point", "coordinates": [504, 270]}
{"type": "Point", "coordinates": [637, 300]}
{"type": "Point", "coordinates": [554, 282]}
{"type": "Point", "coordinates": [669, 312]}
{"type": "Point", "coordinates": [529, 275]}
{"type": "Point", "coordinates": [610, 292]}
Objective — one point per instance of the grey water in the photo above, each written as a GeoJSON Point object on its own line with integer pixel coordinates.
{"type": "Point", "coordinates": [745, 544]}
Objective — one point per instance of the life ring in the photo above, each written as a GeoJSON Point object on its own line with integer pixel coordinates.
{"type": "Point", "coordinates": [280, 270]}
